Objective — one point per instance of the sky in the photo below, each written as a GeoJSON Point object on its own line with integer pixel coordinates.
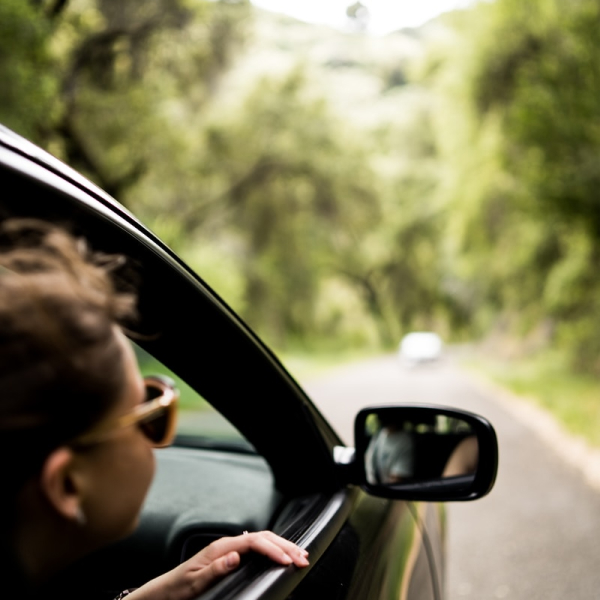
{"type": "Point", "coordinates": [385, 15]}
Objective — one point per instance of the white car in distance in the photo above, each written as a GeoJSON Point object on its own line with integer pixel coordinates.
{"type": "Point", "coordinates": [420, 347]}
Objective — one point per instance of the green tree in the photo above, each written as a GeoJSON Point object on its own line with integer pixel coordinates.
{"type": "Point", "coordinates": [30, 85]}
{"type": "Point", "coordinates": [287, 187]}
{"type": "Point", "coordinates": [520, 141]}
{"type": "Point", "coordinates": [112, 86]}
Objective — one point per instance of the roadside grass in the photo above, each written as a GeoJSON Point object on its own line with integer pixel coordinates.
{"type": "Point", "coordinates": [546, 380]}
{"type": "Point", "coordinates": [188, 398]}
{"type": "Point", "coordinates": [305, 365]}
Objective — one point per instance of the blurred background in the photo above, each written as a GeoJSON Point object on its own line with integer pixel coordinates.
{"type": "Point", "coordinates": [346, 173]}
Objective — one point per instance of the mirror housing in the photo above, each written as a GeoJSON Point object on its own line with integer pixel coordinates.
{"type": "Point", "coordinates": [423, 452]}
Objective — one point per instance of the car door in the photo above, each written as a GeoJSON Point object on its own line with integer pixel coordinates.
{"type": "Point", "coordinates": [279, 465]}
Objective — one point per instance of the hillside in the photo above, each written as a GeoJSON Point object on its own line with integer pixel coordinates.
{"type": "Point", "coordinates": [362, 76]}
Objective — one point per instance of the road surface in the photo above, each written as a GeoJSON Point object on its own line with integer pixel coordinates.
{"type": "Point", "coordinates": [537, 534]}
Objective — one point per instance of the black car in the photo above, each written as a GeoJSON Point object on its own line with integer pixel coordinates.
{"type": "Point", "coordinates": [253, 452]}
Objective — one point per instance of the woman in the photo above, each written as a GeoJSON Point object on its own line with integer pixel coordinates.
{"type": "Point", "coordinates": [78, 459]}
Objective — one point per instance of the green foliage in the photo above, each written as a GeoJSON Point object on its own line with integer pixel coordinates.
{"type": "Point", "coordinates": [100, 78]}
{"type": "Point", "coordinates": [547, 380]}
{"type": "Point", "coordinates": [26, 69]}
{"type": "Point", "coordinates": [548, 99]}
{"type": "Point", "coordinates": [461, 196]}
{"type": "Point", "coordinates": [304, 223]}
{"type": "Point", "coordinates": [285, 177]}
{"type": "Point", "coordinates": [523, 189]}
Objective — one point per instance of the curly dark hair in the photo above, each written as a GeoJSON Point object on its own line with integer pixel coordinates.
{"type": "Point", "coordinates": [61, 367]}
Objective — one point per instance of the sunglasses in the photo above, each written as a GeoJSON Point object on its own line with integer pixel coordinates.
{"type": "Point", "coordinates": [156, 417]}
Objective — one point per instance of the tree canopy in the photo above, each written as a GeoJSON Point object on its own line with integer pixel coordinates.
{"type": "Point", "coordinates": [443, 178]}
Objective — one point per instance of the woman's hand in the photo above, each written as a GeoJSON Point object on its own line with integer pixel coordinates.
{"type": "Point", "coordinates": [216, 560]}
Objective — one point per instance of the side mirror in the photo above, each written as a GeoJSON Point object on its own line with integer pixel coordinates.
{"type": "Point", "coordinates": [428, 453]}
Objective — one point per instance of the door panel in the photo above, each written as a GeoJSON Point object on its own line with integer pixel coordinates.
{"type": "Point", "coordinates": [393, 561]}
{"type": "Point", "coordinates": [378, 554]}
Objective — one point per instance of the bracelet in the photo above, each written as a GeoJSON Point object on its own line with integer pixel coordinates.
{"type": "Point", "coordinates": [124, 594]}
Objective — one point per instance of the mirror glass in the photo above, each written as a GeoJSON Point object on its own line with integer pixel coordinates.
{"type": "Point", "coordinates": [404, 448]}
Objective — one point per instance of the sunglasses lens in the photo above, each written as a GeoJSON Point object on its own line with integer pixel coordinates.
{"type": "Point", "coordinates": [158, 427]}
{"type": "Point", "coordinates": [154, 389]}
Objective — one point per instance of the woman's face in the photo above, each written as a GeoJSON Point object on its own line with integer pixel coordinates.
{"type": "Point", "coordinates": [121, 467]}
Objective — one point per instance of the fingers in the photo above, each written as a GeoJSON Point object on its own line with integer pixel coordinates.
{"type": "Point", "coordinates": [221, 557]}
{"type": "Point", "coordinates": [267, 543]}
{"type": "Point", "coordinates": [276, 548]}
{"type": "Point", "coordinates": [188, 580]}
{"type": "Point", "coordinates": [223, 565]}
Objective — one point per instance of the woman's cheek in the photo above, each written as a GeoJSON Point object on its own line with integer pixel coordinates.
{"type": "Point", "coordinates": [122, 489]}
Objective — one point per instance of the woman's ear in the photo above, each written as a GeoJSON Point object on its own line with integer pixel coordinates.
{"type": "Point", "coordinates": [60, 484]}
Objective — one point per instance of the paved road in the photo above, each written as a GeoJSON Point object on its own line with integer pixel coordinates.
{"type": "Point", "coordinates": [537, 534]}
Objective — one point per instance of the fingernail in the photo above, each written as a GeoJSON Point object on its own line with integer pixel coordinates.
{"type": "Point", "coordinates": [285, 559]}
{"type": "Point", "coordinates": [305, 552]}
{"type": "Point", "coordinates": [303, 561]}
{"type": "Point", "coordinates": [230, 561]}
